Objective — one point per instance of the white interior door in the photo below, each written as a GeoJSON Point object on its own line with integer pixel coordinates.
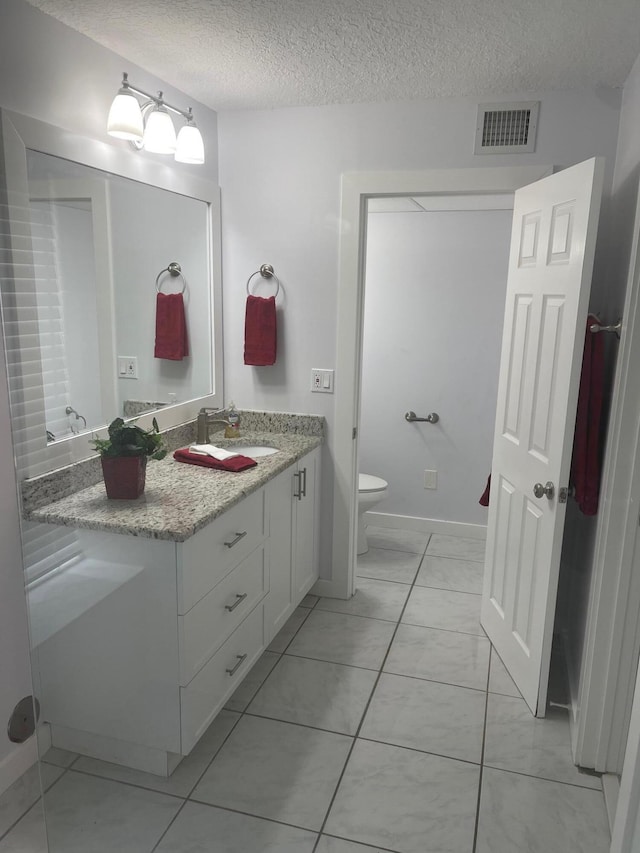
{"type": "Point", "coordinates": [550, 265]}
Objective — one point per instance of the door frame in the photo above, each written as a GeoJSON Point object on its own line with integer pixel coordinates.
{"type": "Point", "coordinates": [357, 188]}
{"type": "Point", "coordinates": [612, 636]}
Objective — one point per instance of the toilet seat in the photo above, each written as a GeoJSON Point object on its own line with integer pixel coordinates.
{"type": "Point", "coordinates": [369, 483]}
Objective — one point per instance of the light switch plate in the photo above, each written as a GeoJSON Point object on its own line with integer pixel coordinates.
{"type": "Point", "coordinates": [430, 479]}
{"type": "Point", "coordinates": [127, 367]}
{"type": "Point", "coordinates": [321, 380]}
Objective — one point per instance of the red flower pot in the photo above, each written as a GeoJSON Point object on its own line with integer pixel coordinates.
{"type": "Point", "coordinates": [124, 476]}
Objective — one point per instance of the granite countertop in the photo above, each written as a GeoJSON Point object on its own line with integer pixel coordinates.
{"type": "Point", "coordinates": [179, 499]}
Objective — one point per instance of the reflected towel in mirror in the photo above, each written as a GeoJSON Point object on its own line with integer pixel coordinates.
{"type": "Point", "coordinates": [171, 327]}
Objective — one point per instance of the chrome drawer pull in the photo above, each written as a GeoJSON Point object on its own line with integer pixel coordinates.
{"type": "Point", "coordinates": [234, 669]}
{"type": "Point", "coordinates": [239, 600]}
{"type": "Point", "coordinates": [235, 541]}
{"type": "Point", "coordinates": [298, 494]}
{"type": "Point", "coordinates": [303, 488]}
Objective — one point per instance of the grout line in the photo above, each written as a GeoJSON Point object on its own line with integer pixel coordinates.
{"type": "Point", "coordinates": [365, 712]}
{"type": "Point", "coordinates": [484, 741]}
{"type": "Point", "coordinates": [254, 816]}
{"type": "Point", "coordinates": [546, 778]}
{"type": "Point", "coordinates": [375, 847]}
{"type": "Point", "coordinates": [41, 789]}
{"type": "Point", "coordinates": [168, 827]}
{"type": "Point", "coordinates": [94, 775]}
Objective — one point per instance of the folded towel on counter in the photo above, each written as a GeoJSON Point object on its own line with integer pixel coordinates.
{"type": "Point", "coordinates": [171, 327]}
{"type": "Point", "coordinates": [260, 331]}
{"type": "Point", "coordinates": [218, 453]}
{"type": "Point", "coordinates": [236, 463]}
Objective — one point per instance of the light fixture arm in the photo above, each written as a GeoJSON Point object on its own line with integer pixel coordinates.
{"type": "Point", "coordinates": [156, 99]}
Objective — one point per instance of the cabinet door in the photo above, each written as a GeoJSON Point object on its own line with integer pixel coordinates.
{"type": "Point", "coordinates": [306, 509]}
{"type": "Point", "coordinates": [279, 602]}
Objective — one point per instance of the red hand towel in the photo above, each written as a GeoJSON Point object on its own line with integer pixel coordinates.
{"type": "Point", "coordinates": [260, 334]}
{"type": "Point", "coordinates": [484, 498]}
{"type": "Point", "coordinates": [171, 327]}
{"type": "Point", "coordinates": [236, 463]}
{"type": "Point", "coordinates": [585, 464]}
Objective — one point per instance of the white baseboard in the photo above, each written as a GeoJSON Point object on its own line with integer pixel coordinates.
{"type": "Point", "coordinates": [329, 588]}
{"type": "Point", "coordinates": [17, 762]}
{"type": "Point", "coordinates": [426, 525]}
{"type": "Point", "coordinates": [611, 789]}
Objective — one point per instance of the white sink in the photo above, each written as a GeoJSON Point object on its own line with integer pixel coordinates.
{"type": "Point", "coordinates": [252, 450]}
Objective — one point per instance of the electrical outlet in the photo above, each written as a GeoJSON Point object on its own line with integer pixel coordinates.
{"type": "Point", "coordinates": [431, 479]}
{"type": "Point", "coordinates": [321, 380]}
{"type": "Point", "coordinates": [127, 367]}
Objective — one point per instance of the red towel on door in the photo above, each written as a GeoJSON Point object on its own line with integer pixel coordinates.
{"type": "Point", "coordinates": [171, 327]}
{"type": "Point", "coordinates": [585, 464]}
{"type": "Point", "coordinates": [486, 495]}
{"type": "Point", "coordinates": [260, 337]}
{"type": "Point", "coordinates": [236, 463]}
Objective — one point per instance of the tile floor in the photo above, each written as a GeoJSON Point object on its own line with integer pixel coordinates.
{"type": "Point", "coordinates": [385, 723]}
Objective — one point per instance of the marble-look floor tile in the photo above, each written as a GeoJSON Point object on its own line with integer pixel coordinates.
{"type": "Point", "coordinates": [310, 600]}
{"type": "Point", "coordinates": [88, 814]}
{"type": "Point", "coordinates": [341, 638]}
{"type": "Point", "coordinates": [24, 792]}
{"type": "Point", "coordinates": [276, 770]}
{"type": "Point", "coordinates": [328, 844]}
{"type": "Point", "coordinates": [289, 630]}
{"type": "Point", "coordinates": [397, 799]}
{"type": "Point", "coordinates": [397, 540]}
{"type": "Point", "coordinates": [428, 716]}
{"type": "Point", "coordinates": [186, 774]}
{"type": "Point", "coordinates": [374, 598]}
{"type": "Point", "coordinates": [461, 659]}
{"type": "Point", "coordinates": [252, 682]}
{"type": "Point", "coordinates": [456, 546]}
{"type": "Point", "coordinates": [386, 565]}
{"type": "Point", "coordinates": [29, 835]}
{"type": "Point", "coordinates": [518, 741]}
{"type": "Point", "coordinates": [315, 693]}
{"type": "Point", "coordinates": [449, 573]}
{"type": "Point", "coordinates": [202, 829]}
{"type": "Point", "coordinates": [519, 813]}
{"type": "Point", "coordinates": [499, 679]}
{"type": "Point", "coordinates": [444, 609]}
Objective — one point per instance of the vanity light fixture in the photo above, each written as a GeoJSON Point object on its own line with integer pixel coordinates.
{"type": "Point", "coordinates": [149, 126]}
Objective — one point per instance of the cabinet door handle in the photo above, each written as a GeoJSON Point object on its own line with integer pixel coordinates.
{"type": "Point", "coordinates": [235, 541]}
{"type": "Point", "coordinates": [298, 494]}
{"type": "Point", "coordinates": [234, 669]}
{"type": "Point", "coordinates": [303, 488]}
{"type": "Point", "coordinates": [239, 599]}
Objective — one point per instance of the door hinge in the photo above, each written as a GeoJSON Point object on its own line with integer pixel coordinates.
{"type": "Point", "coordinates": [354, 432]}
{"type": "Point", "coordinates": [563, 494]}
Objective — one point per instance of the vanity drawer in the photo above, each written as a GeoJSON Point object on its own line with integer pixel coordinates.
{"type": "Point", "coordinates": [208, 556]}
{"type": "Point", "coordinates": [205, 695]}
{"type": "Point", "coordinates": [208, 624]}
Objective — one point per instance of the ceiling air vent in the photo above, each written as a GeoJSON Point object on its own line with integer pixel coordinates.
{"type": "Point", "coordinates": [506, 128]}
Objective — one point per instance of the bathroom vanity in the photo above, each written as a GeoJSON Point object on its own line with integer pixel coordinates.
{"type": "Point", "coordinates": [172, 599]}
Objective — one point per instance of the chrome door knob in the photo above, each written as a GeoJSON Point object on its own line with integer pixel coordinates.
{"type": "Point", "coordinates": [540, 491]}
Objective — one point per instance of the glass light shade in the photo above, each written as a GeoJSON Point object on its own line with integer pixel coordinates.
{"type": "Point", "coordinates": [125, 117]}
{"type": "Point", "coordinates": [190, 147]}
{"type": "Point", "coordinates": [159, 133]}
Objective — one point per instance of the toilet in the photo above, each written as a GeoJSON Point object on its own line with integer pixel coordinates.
{"type": "Point", "coordinates": [371, 490]}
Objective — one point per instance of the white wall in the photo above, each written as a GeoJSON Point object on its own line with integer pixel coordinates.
{"type": "Point", "coordinates": [434, 307]}
{"type": "Point", "coordinates": [54, 74]}
{"type": "Point", "coordinates": [280, 177]}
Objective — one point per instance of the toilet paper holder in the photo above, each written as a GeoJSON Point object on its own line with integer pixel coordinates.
{"type": "Point", "coordinates": [432, 418]}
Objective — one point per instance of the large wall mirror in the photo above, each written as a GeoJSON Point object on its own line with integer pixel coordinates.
{"type": "Point", "coordinates": [89, 228]}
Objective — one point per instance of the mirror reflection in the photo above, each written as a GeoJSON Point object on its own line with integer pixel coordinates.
{"type": "Point", "coordinates": [99, 243]}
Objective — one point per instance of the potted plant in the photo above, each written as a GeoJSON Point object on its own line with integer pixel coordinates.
{"type": "Point", "coordinates": [124, 457]}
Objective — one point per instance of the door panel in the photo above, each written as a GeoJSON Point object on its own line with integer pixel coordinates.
{"type": "Point", "coordinates": [550, 265]}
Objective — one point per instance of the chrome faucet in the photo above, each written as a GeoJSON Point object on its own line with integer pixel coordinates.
{"type": "Point", "coordinates": [204, 421]}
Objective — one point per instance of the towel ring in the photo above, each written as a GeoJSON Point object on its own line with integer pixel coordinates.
{"type": "Point", "coordinates": [266, 271]}
{"type": "Point", "coordinates": [174, 269]}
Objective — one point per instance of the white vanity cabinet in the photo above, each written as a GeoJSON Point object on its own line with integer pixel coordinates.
{"type": "Point", "coordinates": [138, 676]}
{"type": "Point", "coordinates": [293, 502]}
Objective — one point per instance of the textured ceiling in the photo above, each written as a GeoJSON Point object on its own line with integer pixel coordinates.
{"type": "Point", "coordinates": [234, 54]}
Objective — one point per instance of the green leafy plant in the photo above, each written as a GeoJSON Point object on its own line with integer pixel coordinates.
{"type": "Point", "coordinates": [130, 440]}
